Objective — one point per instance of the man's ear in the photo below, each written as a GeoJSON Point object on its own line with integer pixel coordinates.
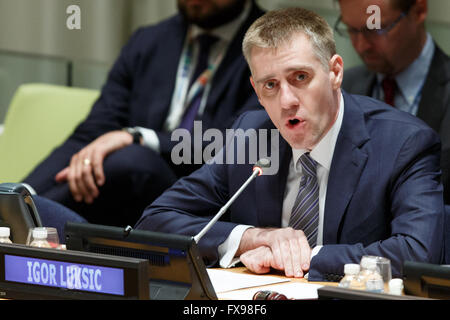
{"type": "Point", "coordinates": [254, 88]}
{"type": "Point", "coordinates": [420, 10]}
{"type": "Point", "coordinates": [336, 65]}
{"type": "Point", "coordinates": [253, 83]}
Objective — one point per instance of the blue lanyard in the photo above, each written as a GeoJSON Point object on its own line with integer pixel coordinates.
{"type": "Point", "coordinates": [183, 94]}
{"type": "Point", "coordinates": [201, 82]}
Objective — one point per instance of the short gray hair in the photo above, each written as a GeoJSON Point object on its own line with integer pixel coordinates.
{"type": "Point", "coordinates": [277, 27]}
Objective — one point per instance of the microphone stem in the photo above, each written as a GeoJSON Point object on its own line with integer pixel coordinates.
{"type": "Point", "coordinates": [225, 207]}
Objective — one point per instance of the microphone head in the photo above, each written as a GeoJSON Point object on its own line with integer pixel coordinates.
{"type": "Point", "coordinates": [261, 164]}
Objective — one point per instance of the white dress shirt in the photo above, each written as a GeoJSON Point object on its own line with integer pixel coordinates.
{"type": "Point", "coordinates": [225, 33]}
{"type": "Point", "coordinates": [323, 155]}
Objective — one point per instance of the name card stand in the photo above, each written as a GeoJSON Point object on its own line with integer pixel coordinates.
{"type": "Point", "coordinates": [39, 273]}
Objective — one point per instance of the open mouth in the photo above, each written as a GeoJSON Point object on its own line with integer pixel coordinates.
{"type": "Point", "coordinates": [294, 122]}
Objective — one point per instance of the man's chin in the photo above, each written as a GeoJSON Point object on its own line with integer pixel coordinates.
{"type": "Point", "coordinates": [377, 66]}
{"type": "Point", "coordinates": [208, 16]}
{"type": "Point", "coordinates": [294, 142]}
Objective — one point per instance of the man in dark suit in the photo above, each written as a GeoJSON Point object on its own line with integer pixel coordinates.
{"type": "Point", "coordinates": [402, 65]}
{"type": "Point", "coordinates": [188, 67]}
{"type": "Point", "coordinates": [356, 177]}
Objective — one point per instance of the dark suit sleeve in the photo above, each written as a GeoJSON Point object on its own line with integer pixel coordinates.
{"type": "Point", "coordinates": [189, 205]}
{"type": "Point", "coordinates": [415, 214]}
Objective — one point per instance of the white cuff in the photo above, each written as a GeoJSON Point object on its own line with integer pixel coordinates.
{"type": "Point", "coordinates": [149, 138]}
{"type": "Point", "coordinates": [228, 248]}
{"type": "Point", "coordinates": [314, 251]}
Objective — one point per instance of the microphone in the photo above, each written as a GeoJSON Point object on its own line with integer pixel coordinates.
{"type": "Point", "coordinates": [257, 171]}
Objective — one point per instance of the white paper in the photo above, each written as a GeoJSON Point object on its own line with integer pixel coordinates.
{"type": "Point", "coordinates": [225, 280]}
{"type": "Point", "coordinates": [292, 290]}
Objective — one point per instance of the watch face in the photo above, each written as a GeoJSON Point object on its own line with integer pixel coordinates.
{"type": "Point", "coordinates": [135, 133]}
{"type": "Point", "coordinates": [137, 136]}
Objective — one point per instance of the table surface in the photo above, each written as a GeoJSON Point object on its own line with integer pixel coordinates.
{"type": "Point", "coordinates": [243, 270]}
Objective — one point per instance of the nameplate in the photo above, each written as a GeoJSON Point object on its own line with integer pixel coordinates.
{"type": "Point", "coordinates": [64, 275]}
{"type": "Point", "coordinates": [30, 273]}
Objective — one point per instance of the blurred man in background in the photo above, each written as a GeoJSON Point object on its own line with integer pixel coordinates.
{"type": "Point", "coordinates": [402, 64]}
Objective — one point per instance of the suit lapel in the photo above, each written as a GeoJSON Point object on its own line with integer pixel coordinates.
{"type": "Point", "coordinates": [365, 86]}
{"type": "Point", "coordinates": [369, 84]}
{"type": "Point", "coordinates": [346, 168]}
{"type": "Point", "coordinates": [431, 108]}
{"type": "Point", "coordinates": [233, 58]}
{"type": "Point", "coordinates": [174, 54]}
{"type": "Point", "coordinates": [169, 54]}
{"type": "Point", "coordinates": [359, 81]}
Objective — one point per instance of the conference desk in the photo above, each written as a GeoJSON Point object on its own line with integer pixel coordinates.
{"type": "Point", "coordinates": [30, 273]}
{"type": "Point", "coordinates": [300, 289]}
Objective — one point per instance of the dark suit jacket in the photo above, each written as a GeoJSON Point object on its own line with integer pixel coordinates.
{"type": "Point", "coordinates": [383, 198]}
{"type": "Point", "coordinates": [434, 106]}
{"type": "Point", "coordinates": [139, 90]}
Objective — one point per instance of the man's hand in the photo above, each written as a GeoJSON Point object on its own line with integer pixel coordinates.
{"type": "Point", "coordinates": [258, 260]}
{"type": "Point", "coordinates": [85, 172]}
{"type": "Point", "coordinates": [282, 249]}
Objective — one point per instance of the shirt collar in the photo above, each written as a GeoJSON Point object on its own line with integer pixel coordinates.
{"type": "Point", "coordinates": [323, 151]}
{"type": "Point", "coordinates": [227, 31]}
{"type": "Point", "coordinates": [410, 80]}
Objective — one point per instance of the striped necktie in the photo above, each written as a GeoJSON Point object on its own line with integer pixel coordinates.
{"type": "Point", "coordinates": [305, 212]}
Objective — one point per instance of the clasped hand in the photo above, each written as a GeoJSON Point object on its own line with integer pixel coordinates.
{"type": "Point", "coordinates": [282, 249]}
{"type": "Point", "coordinates": [85, 171]}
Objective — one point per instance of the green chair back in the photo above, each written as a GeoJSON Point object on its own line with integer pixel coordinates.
{"type": "Point", "coordinates": [39, 118]}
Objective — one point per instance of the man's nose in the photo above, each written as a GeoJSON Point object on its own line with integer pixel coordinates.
{"type": "Point", "coordinates": [360, 42]}
{"type": "Point", "coordinates": [288, 97]}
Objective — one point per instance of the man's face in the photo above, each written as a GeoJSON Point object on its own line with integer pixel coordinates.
{"type": "Point", "coordinates": [300, 96]}
{"type": "Point", "coordinates": [389, 53]}
{"type": "Point", "coordinates": [210, 14]}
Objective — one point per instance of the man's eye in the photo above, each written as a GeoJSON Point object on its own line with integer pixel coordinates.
{"type": "Point", "coordinates": [269, 85]}
{"type": "Point", "coordinates": [301, 77]}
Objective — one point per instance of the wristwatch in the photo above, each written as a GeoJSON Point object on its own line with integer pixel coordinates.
{"type": "Point", "coordinates": [135, 133]}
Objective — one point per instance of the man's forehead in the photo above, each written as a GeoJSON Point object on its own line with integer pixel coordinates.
{"type": "Point", "coordinates": [295, 54]}
{"type": "Point", "coordinates": [298, 42]}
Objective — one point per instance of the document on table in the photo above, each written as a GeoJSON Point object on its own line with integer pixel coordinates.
{"type": "Point", "coordinates": [227, 283]}
{"type": "Point", "coordinates": [223, 280]}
